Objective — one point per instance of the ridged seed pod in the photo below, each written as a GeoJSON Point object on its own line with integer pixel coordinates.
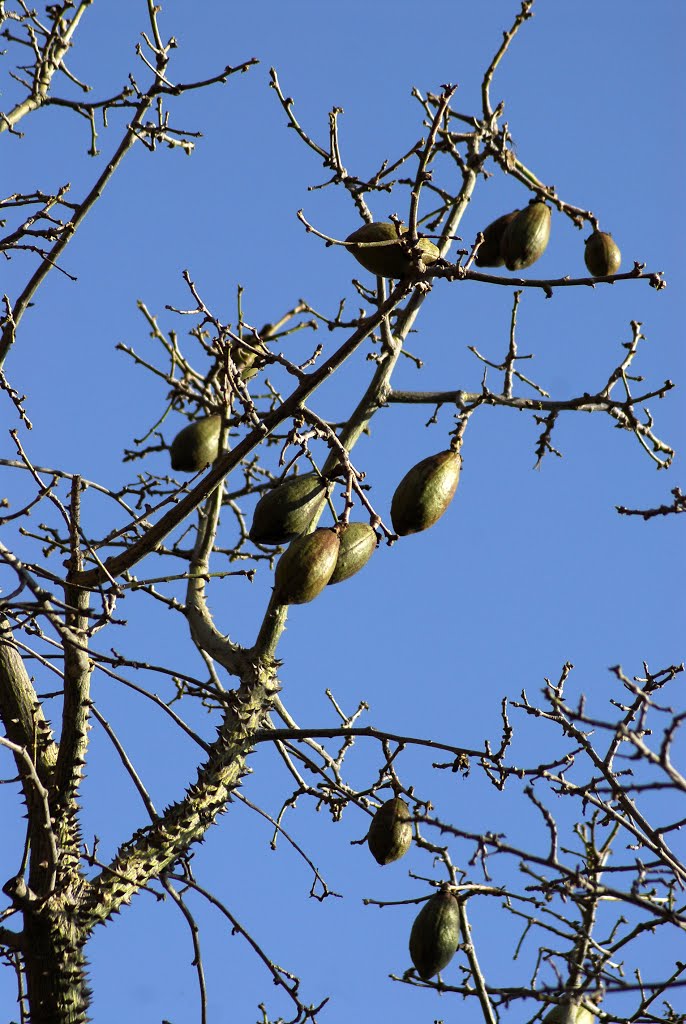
{"type": "Point", "coordinates": [288, 510]}
{"type": "Point", "coordinates": [489, 254]}
{"type": "Point", "coordinates": [526, 236]}
{"type": "Point", "coordinates": [390, 259]}
{"type": "Point", "coordinates": [390, 833]}
{"type": "Point", "coordinates": [358, 544]}
{"type": "Point", "coordinates": [602, 255]}
{"type": "Point", "coordinates": [423, 495]}
{"type": "Point", "coordinates": [197, 445]}
{"type": "Point", "coordinates": [571, 1013]}
{"type": "Point", "coordinates": [435, 934]}
{"type": "Point", "coordinates": [305, 567]}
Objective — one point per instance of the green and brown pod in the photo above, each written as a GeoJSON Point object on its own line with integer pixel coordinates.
{"type": "Point", "coordinates": [525, 238]}
{"type": "Point", "coordinates": [379, 249]}
{"type": "Point", "coordinates": [358, 544]}
{"type": "Point", "coordinates": [288, 509]}
{"type": "Point", "coordinates": [435, 934]}
{"type": "Point", "coordinates": [569, 1013]}
{"type": "Point", "coordinates": [489, 253]}
{"type": "Point", "coordinates": [425, 492]}
{"type": "Point", "coordinates": [602, 255]}
{"type": "Point", "coordinates": [306, 567]}
{"type": "Point", "coordinates": [197, 445]}
{"type": "Point", "coordinates": [390, 833]}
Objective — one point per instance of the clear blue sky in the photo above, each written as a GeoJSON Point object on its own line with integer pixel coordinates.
{"type": "Point", "coordinates": [527, 570]}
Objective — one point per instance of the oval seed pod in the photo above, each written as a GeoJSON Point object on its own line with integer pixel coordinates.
{"type": "Point", "coordinates": [435, 934]}
{"type": "Point", "coordinates": [197, 445]}
{"type": "Point", "coordinates": [602, 255]}
{"type": "Point", "coordinates": [390, 833]}
{"type": "Point", "coordinates": [525, 238]}
{"type": "Point", "coordinates": [305, 567]}
{"type": "Point", "coordinates": [570, 1013]}
{"type": "Point", "coordinates": [358, 544]}
{"type": "Point", "coordinates": [423, 495]}
{"type": "Point", "coordinates": [390, 259]}
{"type": "Point", "coordinates": [489, 254]}
{"type": "Point", "coordinates": [287, 510]}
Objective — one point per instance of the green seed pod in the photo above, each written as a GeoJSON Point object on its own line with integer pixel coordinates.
{"type": "Point", "coordinates": [435, 934]}
{"type": "Point", "coordinates": [526, 237]}
{"type": "Point", "coordinates": [288, 510]}
{"type": "Point", "coordinates": [489, 254]}
{"type": "Point", "coordinates": [197, 445]}
{"type": "Point", "coordinates": [391, 259]}
{"type": "Point", "coordinates": [602, 255]}
{"type": "Point", "coordinates": [570, 1013]}
{"type": "Point", "coordinates": [390, 833]}
{"type": "Point", "coordinates": [358, 544]}
{"type": "Point", "coordinates": [248, 363]}
{"type": "Point", "coordinates": [305, 567]}
{"type": "Point", "coordinates": [423, 495]}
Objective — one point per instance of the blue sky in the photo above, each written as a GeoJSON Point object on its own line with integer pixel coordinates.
{"type": "Point", "coordinates": [527, 570]}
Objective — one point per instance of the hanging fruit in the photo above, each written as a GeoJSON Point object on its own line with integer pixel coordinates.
{"type": "Point", "coordinates": [392, 258]}
{"type": "Point", "coordinates": [602, 255]}
{"type": "Point", "coordinates": [358, 544]}
{"type": "Point", "coordinates": [306, 567]}
{"type": "Point", "coordinates": [288, 509]}
{"type": "Point", "coordinates": [435, 934]}
{"type": "Point", "coordinates": [425, 492]}
{"type": "Point", "coordinates": [489, 254]}
{"type": "Point", "coordinates": [570, 1013]}
{"type": "Point", "coordinates": [197, 445]}
{"type": "Point", "coordinates": [526, 236]}
{"type": "Point", "coordinates": [390, 833]}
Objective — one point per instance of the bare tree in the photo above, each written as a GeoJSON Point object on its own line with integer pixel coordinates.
{"type": "Point", "coordinates": [600, 870]}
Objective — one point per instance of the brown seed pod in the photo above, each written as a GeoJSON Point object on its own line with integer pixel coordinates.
{"type": "Point", "coordinates": [602, 255]}
{"type": "Point", "coordinates": [305, 567]}
{"type": "Point", "coordinates": [197, 445]}
{"type": "Point", "coordinates": [570, 1013]}
{"type": "Point", "coordinates": [435, 934]}
{"type": "Point", "coordinates": [489, 254]}
{"type": "Point", "coordinates": [288, 510]}
{"type": "Point", "coordinates": [390, 258]}
{"type": "Point", "coordinates": [526, 237]}
{"type": "Point", "coordinates": [390, 833]}
{"type": "Point", "coordinates": [358, 544]}
{"type": "Point", "coordinates": [423, 495]}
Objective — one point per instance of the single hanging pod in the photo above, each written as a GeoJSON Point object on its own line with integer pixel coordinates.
{"type": "Point", "coordinates": [358, 544]}
{"type": "Point", "coordinates": [197, 445]}
{"type": "Point", "coordinates": [525, 239]}
{"type": "Point", "coordinates": [287, 510]}
{"type": "Point", "coordinates": [435, 934]}
{"type": "Point", "coordinates": [390, 258]}
{"type": "Point", "coordinates": [489, 254]}
{"type": "Point", "coordinates": [305, 567]}
{"type": "Point", "coordinates": [425, 492]}
{"type": "Point", "coordinates": [390, 833]}
{"type": "Point", "coordinates": [602, 255]}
